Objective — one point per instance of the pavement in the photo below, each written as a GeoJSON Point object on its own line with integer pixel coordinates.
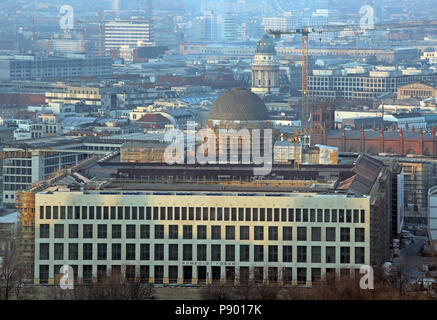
{"type": "Point", "coordinates": [411, 260]}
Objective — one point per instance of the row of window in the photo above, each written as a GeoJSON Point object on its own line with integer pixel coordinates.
{"type": "Point", "coordinates": [203, 272]}
{"type": "Point", "coordinates": [172, 232]}
{"type": "Point", "coordinates": [203, 213]}
{"type": "Point", "coordinates": [173, 253]}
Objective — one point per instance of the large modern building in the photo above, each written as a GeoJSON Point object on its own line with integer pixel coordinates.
{"type": "Point", "coordinates": [28, 67]}
{"type": "Point", "coordinates": [206, 227]}
{"type": "Point", "coordinates": [128, 32]}
{"type": "Point", "coordinates": [332, 85]}
{"type": "Point", "coordinates": [29, 161]}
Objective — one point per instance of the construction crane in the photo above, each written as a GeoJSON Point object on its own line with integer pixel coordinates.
{"type": "Point", "coordinates": [100, 28]}
{"type": "Point", "coordinates": [305, 31]}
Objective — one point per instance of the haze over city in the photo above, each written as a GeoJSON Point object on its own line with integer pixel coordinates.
{"type": "Point", "coordinates": [264, 150]}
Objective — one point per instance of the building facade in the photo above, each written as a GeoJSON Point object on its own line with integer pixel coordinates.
{"type": "Point", "coordinates": [26, 67]}
{"type": "Point", "coordinates": [200, 238]}
{"type": "Point", "coordinates": [128, 32]}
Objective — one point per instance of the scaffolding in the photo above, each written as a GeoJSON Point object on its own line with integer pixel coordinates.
{"type": "Point", "coordinates": [25, 203]}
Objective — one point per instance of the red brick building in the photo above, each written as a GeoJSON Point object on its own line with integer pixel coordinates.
{"type": "Point", "coordinates": [369, 141]}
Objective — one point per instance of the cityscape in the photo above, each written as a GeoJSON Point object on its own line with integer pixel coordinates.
{"type": "Point", "coordinates": [218, 150]}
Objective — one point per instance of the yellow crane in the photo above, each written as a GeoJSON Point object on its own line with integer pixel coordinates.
{"type": "Point", "coordinates": [305, 31]}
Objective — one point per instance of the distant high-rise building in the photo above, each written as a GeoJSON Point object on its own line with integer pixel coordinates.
{"type": "Point", "coordinates": [128, 32]}
{"type": "Point", "coordinates": [206, 26]}
{"type": "Point", "coordinates": [229, 28]}
{"type": "Point", "coordinates": [149, 9]}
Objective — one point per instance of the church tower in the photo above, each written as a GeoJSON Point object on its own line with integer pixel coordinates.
{"type": "Point", "coordinates": [265, 68]}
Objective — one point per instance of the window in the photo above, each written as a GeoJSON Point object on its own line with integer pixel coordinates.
{"type": "Point", "coordinates": [201, 252]}
{"type": "Point", "coordinates": [312, 215]}
{"type": "Point", "coordinates": [244, 232]}
{"type": "Point", "coordinates": [188, 232]}
{"type": "Point", "coordinates": [215, 252]}
{"type": "Point", "coordinates": [290, 215]}
{"type": "Point", "coordinates": [144, 273]}
{"type": "Point", "coordinates": [301, 275]}
{"type": "Point", "coordinates": [187, 252]}
{"type": "Point", "coordinates": [130, 231]}
{"type": "Point", "coordinates": [316, 254]}
{"type": "Point", "coordinates": [173, 231]}
{"type": "Point", "coordinates": [88, 231]}
{"type": "Point", "coordinates": [333, 215]}
{"type": "Point", "coordinates": [316, 234]}
{"type": "Point", "coordinates": [173, 252]}
{"type": "Point", "coordinates": [319, 215]}
{"type": "Point", "coordinates": [359, 255]}
{"type": "Point", "coordinates": [116, 231]}
{"type": "Point", "coordinates": [341, 215]}
{"type": "Point", "coordinates": [273, 253]}
{"type": "Point", "coordinates": [244, 252]}
{"type": "Point", "coordinates": [201, 232]}
{"type": "Point", "coordinates": [305, 215]}
{"type": "Point", "coordinates": [116, 251]}
{"type": "Point", "coordinates": [273, 233]}
{"type": "Point", "coordinates": [159, 252]}
{"type": "Point", "coordinates": [330, 254]}
{"type": "Point", "coordinates": [145, 231]}
{"type": "Point", "coordinates": [101, 231]}
{"type": "Point", "coordinates": [230, 232]}
{"type": "Point", "coordinates": [127, 213]}
{"type": "Point", "coordinates": [84, 212]}
{"type": "Point", "coordinates": [215, 232]}
{"type": "Point", "coordinates": [345, 234]}
{"type": "Point", "coordinates": [301, 254]}
{"type": "Point", "coordinates": [101, 251]}
{"type": "Point", "coordinates": [172, 274]}
{"type": "Point", "coordinates": [205, 213]}
{"type": "Point", "coordinates": [330, 234]}
{"type": "Point", "coordinates": [301, 233]}
{"type": "Point", "coordinates": [348, 216]}
{"type": "Point", "coordinates": [362, 216]}
{"type": "Point", "coordinates": [43, 274]}
{"type": "Point", "coordinates": [144, 251]}
{"type": "Point", "coordinates": [59, 231]}
{"type": "Point", "coordinates": [73, 251]}
{"type": "Point", "coordinates": [44, 231]}
{"type": "Point", "coordinates": [283, 215]}
{"type": "Point", "coordinates": [59, 251]}
{"type": "Point", "coordinates": [87, 251]}
{"type": "Point", "coordinates": [259, 233]}
{"type": "Point", "coordinates": [344, 255]}
{"type": "Point", "coordinates": [130, 251]}
{"type": "Point", "coordinates": [230, 252]}
{"type": "Point", "coordinates": [73, 231]}
{"type": "Point", "coordinates": [356, 216]}
{"type": "Point", "coordinates": [248, 214]}
{"type": "Point", "coordinates": [287, 233]}
{"type": "Point", "coordinates": [258, 253]}
{"type": "Point", "coordinates": [327, 215]}
{"type": "Point", "coordinates": [359, 234]}
{"type": "Point", "coordinates": [287, 253]}
{"type": "Point", "coordinates": [159, 231]}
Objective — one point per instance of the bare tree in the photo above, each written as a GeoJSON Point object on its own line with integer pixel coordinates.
{"type": "Point", "coordinates": [12, 275]}
{"type": "Point", "coordinates": [113, 287]}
